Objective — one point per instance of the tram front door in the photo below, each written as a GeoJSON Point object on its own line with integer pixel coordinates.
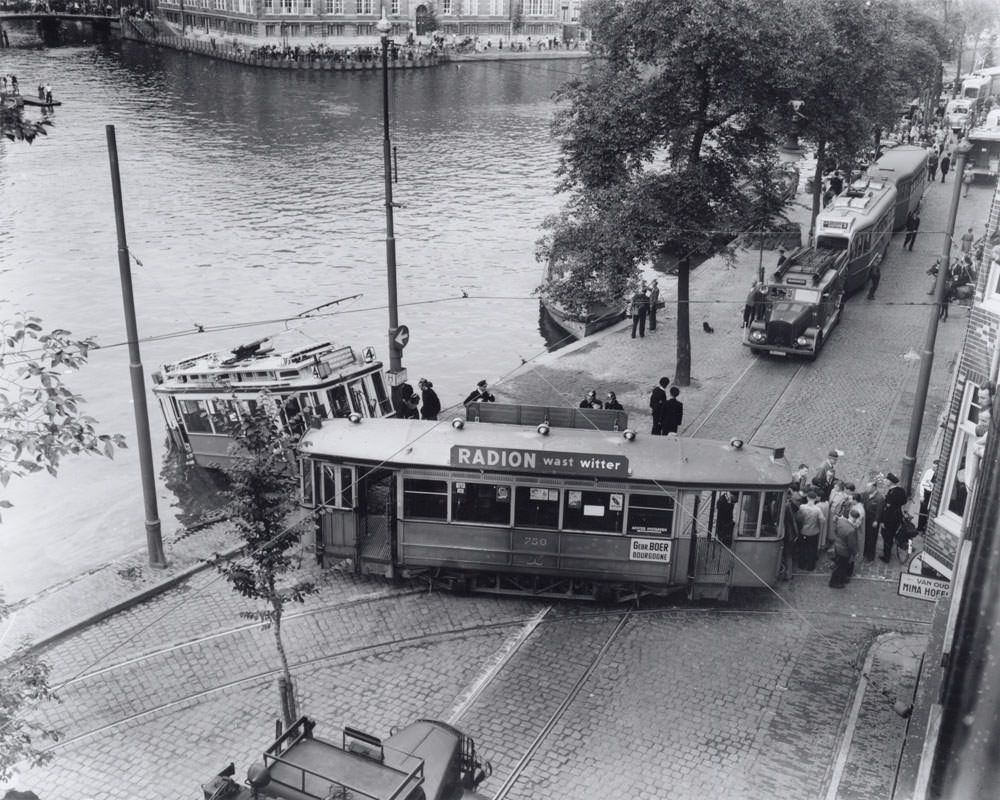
{"type": "Point", "coordinates": [377, 522]}
{"type": "Point", "coordinates": [710, 561]}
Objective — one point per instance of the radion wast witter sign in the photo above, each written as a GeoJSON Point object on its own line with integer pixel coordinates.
{"type": "Point", "coordinates": [547, 461]}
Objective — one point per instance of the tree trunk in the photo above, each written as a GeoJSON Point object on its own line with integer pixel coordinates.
{"type": "Point", "coordinates": [289, 711]}
{"type": "Point", "coordinates": [682, 371]}
{"type": "Point", "coordinates": [817, 186]}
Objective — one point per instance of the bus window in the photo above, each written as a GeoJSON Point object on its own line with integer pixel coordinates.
{"type": "Point", "coordinates": [338, 401]}
{"type": "Point", "coordinates": [487, 503]}
{"type": "Point", "coordinates": [195, 414]}
{"type": "Point", "coordinates": [650, 515]}
{"type": "Point", "coordinates": [536, 507]}
{"type": "Point", "coordinates": [601, 512]}
{"type": "Point", "coordinates": [425, 499]}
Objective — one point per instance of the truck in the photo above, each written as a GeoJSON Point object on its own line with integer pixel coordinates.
{"type": "Point", "coordinates": [984, 157]}
{"type": "Point", "coordinates": [426, 760]}
{"type": "Point", "coordinates": [800, 305]}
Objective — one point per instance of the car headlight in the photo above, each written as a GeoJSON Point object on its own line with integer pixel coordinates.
{"type": "Point", "coordinates": [802, 341]}
{"type": "Point", "coordinates": [757, 336]}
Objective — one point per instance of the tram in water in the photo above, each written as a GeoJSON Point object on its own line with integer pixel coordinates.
{"type": "Point", "coordinates": [859, 221]}
{"type": "Point", "coordinates": [547, 502]}
{"type": "Point", "coordinates": [203, 397]}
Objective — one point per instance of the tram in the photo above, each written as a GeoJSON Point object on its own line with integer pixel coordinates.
{"type": "Point", "coordinates": [904, 166]}
{"type": "Point", "coordinates": [859, 221]}
{"type": "Point", "coordinates": [547, 502]}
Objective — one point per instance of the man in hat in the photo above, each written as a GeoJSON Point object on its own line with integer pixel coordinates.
{"type": "Point", "coordinates": [892, 515]}
{"type": "Point", "coordinates": [481, 394]}
{"type": "Point", "coordinates": [591, 401]}
{"type": "Point", "coordinates": [826, 475]}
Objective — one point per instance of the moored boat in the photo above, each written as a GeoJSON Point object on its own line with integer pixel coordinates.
{"type": "Point", "coordinates": [202, 397]}
{"type": "Point", "coordinates": [30, 100]}
{"type": "Point", "coordinates": [597, 317]}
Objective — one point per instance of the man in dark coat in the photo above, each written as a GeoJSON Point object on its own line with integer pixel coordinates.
{"type": "Point", "coordinates": [657, 400]}
{"type": "Point", "coordinates": [912, 224]}
{"type": "Point", "coordinates": [892, 515]}
{"type": "Point", "coordinates": [640, 308]}
{"type": "Point", "coordinates": [654, 298]}
{"type": "Point", "coordinates": [945, 165]}
{"type": "Point", "coordinates": [481, 394]}
{"type": "Point", "coordinates": [430, 403]}
{"type": "Point", "coordinates": [874, 502]}
{"type": "Point", "coordinates": [724, 521]}
{"type": "Point", "coordinates": [673, 412]}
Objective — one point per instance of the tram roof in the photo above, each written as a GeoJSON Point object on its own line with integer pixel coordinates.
{"type": "Point", "coordinates": [861, 201]}
{"type": "Point", "coordinates": [899, 162]}
{"type": "Point", "coordinates": [429, 444]}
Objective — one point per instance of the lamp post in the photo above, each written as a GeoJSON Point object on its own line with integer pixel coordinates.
{"type": "Point", "coordinates": [397, 338]}
{"type": "Point", "coordinates": [961, 151]}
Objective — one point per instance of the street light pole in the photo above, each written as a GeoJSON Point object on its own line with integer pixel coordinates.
{"type": "Point", "coordinates": [396, 373]}
{"type": "Point", "coordinates": [962, 150]}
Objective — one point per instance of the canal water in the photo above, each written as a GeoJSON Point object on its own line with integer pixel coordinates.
{"type": "Point", "coordinates": [252, 196]}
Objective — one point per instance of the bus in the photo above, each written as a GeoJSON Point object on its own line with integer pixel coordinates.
{"type": "Point", "coordinates": [554, 502]}
{"type": "Point", "coordinates": [860, 222]}
{"type": "Point", "coordinates": [904, 166]}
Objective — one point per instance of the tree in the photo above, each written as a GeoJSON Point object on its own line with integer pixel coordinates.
{"type": "Point", "coordinates": [40, 417]}
{"type": "Point", "coordinates": [262, 498]}
{"type": "Point", "coordinates": [660, 132]}
{"type": "Point", "coordinates": [24, 683]}
{"type": "Point", "coordinates": [516, 16]}
{"type": "Point", "coordinates": [15, 127]}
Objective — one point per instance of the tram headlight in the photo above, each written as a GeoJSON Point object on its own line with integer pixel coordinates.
{"type": "Point", "coordinates": [543, 429]}
{"type": "Point", "coordinates": [629, 434]}
{"type": "Point", "coordinates": [354, 417]}
{"type": "Point", "coordinates": [458, 423]}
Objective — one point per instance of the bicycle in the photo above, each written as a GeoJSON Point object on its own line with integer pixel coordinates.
{"type": "Point", "coordinates": [903, 539]}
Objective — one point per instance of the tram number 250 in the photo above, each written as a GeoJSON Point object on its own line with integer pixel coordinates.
{"type": "Point", "coordinates": [534, 541]}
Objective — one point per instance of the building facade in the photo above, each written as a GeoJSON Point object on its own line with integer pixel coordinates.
{"type": "Point", "coordinates": [354, 19]}
{"type": "Point", "coordinates": [969, 411]}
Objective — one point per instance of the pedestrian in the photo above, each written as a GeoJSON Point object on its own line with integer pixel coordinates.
{"type": "Point", "coordinates": [430, 403]}
{"type": "Point", "coordinates": [725, 524]}
{"type": "Point", "coordinates": [912, 225]}
{"type": "Point", "coordinates": [13, 85]}
{"type": "Point", "coordinates": [845, 547]}
{"type": "Point", "coordinates": [945, 302]}
{"type": "Point", "coordinates": [782, 258]}
{"type": "Point", "coordinates": [791, 540]}
{"type": "Point", "coordinates": [825, 475]}
{"type": "Point", "coordinates": [612, 404]}
{"type": "Point", "coordinates": [932, 164]}
{"type": "Point", "coordinates": [748, 308]}
{"type": "Point", "coordinates": [811, 521]}
{"type": "Point", "coordinates": [800, 478]}
{"type": "Point", "coordinates": [874, 277]}
{"type": "Point", "coordinates": [966, 242]}
{"type": "Point", "coordinates": [945, 165]}
{"type": "Point", "coordinates": [590, 400]}
{"type": "Point", "coordinates": [926, 490]}
{"type": "Point", "coordinates": [654, 298]}
{"type": "Point", "coordinates": [640, 308]}
{"type": "Point", "coordinates": [874, 502]}
{"type": "Point", "coordinates": [892, 515]}
{"type": "Point", "coordinates": [481, 394]}
{"type": "Point", "coordinates": [760, 301]}
{"type": "Point", "coordinates": [657, 400]}
{"type": "Point", "coordinates": [48, 94]}
{"type": "Point", "coordinates": [966, 182]}
{"type": "Point", "coordinates": [673, 412]}
{"type": "Point", "coordinates": [409, 403]}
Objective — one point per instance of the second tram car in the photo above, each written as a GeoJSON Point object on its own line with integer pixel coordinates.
{"type": "Point", "coordinates": [905, 167]}
{"type": "Point", "coordinates": [859, 221]}
{"type": "Point", "coordinates": [538, 509]}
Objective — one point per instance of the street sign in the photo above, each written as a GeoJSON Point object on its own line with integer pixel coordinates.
{"type": "Point", "coordinates": [402, 336]}
{"type": "Point", "coordinates": [368, 354]}
{"type": "Point", "coordinates": [918, 587]}
{"type": "Point", "coordinates": [397, 378]}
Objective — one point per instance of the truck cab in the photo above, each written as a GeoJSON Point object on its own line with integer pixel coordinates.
{"type": "Point", "coordinates": [802, 303]}
{"type": "Point", "coordinates": [426, 760]}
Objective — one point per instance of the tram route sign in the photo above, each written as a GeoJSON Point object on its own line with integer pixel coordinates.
{"type": "Point", "coordinates": [546, 461]}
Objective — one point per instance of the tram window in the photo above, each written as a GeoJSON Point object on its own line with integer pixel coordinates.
{"type": "Point", "coordinates": [311, 401]}
{"type": "Point", "coordinates": [488, 503]}
{"type": "Point", "coordinates": [195, 414]}
{"type": "Point", "coordinates": [772, 514]}
{"type": "Point", "coordinates": [650, 515]}
{"type": "Point", "coordinates": [423, 499]}
{"type": "Point", "coordinates": [328, 486]}
{"type": "Point", "coordinates": [749, 511]}
{"type": "Point", "coordinates": [384, 402]}
{"type": "Point", "coordinates": [293, 415]}
{"type": "Point", "coordinates": [338, 401]}
{"type": "Point", "coordinates": [308, 490]}
{"type": "Point", "coordinates": [346, 487]}
{"type": "Point", "coordinates": [336, 486]}
{"type": "Point", "coordinates": [223, 416]}
{"type": "Point", "coordinates": [831, 243]}
{"type": "Point", "coordinates": [536, 507]}
{"type": "Point", "coordinates": [593, 511]}
{"type": "Point", "coordinates": [362, 401]}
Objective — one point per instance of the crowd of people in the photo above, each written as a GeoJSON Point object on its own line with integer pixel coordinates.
{"type": "Point", "coordinates": [826, 513]}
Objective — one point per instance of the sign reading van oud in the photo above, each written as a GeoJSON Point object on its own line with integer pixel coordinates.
{"type": "Point", "coordinates": [548, 461]}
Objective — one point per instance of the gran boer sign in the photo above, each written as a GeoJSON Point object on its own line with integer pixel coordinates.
{"type": "Point", "coordinates": [503, 458]}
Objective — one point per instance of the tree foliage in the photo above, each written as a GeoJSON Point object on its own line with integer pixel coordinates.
{"type": "Point", "coordinates": [262, 506]}
{"type": "Point", "coordinates": [24, 682]}
{"type": "Point", "coordinates": [16, 127]}
{"type": "Point", "coordinates": [40, 417]}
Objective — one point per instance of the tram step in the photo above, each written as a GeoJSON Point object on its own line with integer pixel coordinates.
{"type": "Point", "coordinates": [709, 590]}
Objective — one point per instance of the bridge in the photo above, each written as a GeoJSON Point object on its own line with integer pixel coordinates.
{"type": "Point", "coordinates": [51, 24]}
{"type": "Point", "coordinates": [39, 16]}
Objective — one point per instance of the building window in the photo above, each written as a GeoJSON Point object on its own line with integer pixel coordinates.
{"type": "Point", "coordinates": [425, 499]}
{"type": "Point", "coordinates": [496, 8]}
{"type": "Point", "coordinates": [650, 515]}
{"type": "Point", "coordinates": [955, 492]}
{"type": "Point", "coordinates": [334, 30]}
{"type": "Point", "coordinates": [394, 8]}
{"type": "Point", "coordinates": [991, 291]}
{"type": "Point", "coordinates": [335, 7]}
{"type": "Point", "coordinates": [486, 503]}
{"type": "Point", "coordinates": [470, 7]}
{"type": "Point", "coordinates": [536, 507]}
{"type": "Point", "coordinates": [287, 6]}
{"type": "Point", "coordinates": [307, 6]}
{"type": "Point", "coordinates": [365, 7]}
{"type": "Point", "coordinates": [447, 8]}
{"type": "Point", "coordinates": [268, 9]}
{"type": "Point", "coordinates": [534, 7]}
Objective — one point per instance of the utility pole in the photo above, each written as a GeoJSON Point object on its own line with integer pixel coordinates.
{"type": "Point", "coordinates": [154, 541]}
{"type": "Point", "coordinates": [961, 152]}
